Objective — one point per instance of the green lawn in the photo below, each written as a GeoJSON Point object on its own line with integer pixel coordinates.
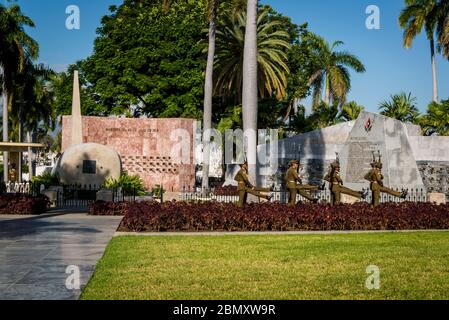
{"type": "Point", "coordinates": [412, 266]}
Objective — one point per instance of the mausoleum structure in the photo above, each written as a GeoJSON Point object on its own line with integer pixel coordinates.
{"type": "Point", "coordinates": [86, 164]}
{"type": "Point", "coordinates": [160, 151]}
{"type": "Point", "coordinates": [410, 160]}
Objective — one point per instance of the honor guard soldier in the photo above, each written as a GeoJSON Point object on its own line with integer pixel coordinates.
{"type": "Point", "coordinates": [294, 184]}
{"type": "Point", "coordinates": [244, 186]}
{"type": "Point", "coordinates": [375, 177]}
{"type": "Point", "coordinates": [336, 185]}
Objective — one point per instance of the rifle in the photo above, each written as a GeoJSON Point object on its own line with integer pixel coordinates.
{"type": "Point", "coordinates": [380, 157]}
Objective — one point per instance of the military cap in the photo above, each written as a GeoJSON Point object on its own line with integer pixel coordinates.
{"type": "Point", "coordinates": [292, 162]}
{"type": "Point", "coordinates": [243, 164]}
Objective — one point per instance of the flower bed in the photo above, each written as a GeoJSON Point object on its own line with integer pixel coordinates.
{"type": "Point", "coordinates": [214, 216]}
{"type": "Point", "coordinates": [226, 191]}
{"type": "Point", "coordinates": [102, 208]}
{"type": "Point", "coordinates": [22, 204]}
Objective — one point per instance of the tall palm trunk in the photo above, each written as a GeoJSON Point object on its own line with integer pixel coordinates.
{"type": "Point", "coordinates": [208, 95]}
{"type": "Point", "coordinates": [327, 94]}
{"type": "Point", "coordinates": [5, 133]}
{"type": "Point", "coordinates": [19, 165]}
{"type": "Point", "coordinates": [249, 98]}
{"type": "Point", "coordinates": [30, 157]}
{"type": "Point", "coordinates": [434, 70]}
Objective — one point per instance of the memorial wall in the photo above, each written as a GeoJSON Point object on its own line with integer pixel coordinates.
{"type": "Point", "coordinates": [160, 151]}
{"type": "Point", "coordinates": [410, 160]}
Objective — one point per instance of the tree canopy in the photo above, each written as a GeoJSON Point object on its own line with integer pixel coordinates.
{"type": "Point", "coordinates": [151, 57]}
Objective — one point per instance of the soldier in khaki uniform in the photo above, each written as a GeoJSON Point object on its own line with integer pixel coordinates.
{"type": "Point", "coordinates": [245, 186]}
{"type": "Point", "coordinates": [294, 184]}
{"type": "Point", "coordinates": [336, 185]}
{"type": "Point", "coordinates": [375, 177]}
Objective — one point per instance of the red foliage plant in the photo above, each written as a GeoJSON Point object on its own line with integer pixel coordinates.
{"type": "Point", "coordinates": [103, 208]}
{"type": "Point", "coordinates": [226, 191]}
{"type": "Point", "coordinates": [22, 204]}
{"type": "Point", "coordinates": [215, 216]}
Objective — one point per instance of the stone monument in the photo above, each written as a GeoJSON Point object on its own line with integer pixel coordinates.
{"type": "Point", "coordinates": [85, 163]}
{"type": "Point", "coordinates": [374, 133]}
{"type": "Point", "coordinates": [411, 160]}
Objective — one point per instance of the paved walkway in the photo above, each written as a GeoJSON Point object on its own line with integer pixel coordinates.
{"type": "Point", "coordinates": [35, 252]}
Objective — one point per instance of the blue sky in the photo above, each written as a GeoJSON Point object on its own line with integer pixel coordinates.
{"type": "Point", "coordinates": [390, 68]}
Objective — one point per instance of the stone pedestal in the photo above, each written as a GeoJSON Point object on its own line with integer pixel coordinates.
{"type": "Point", "coordinates": [170, 196]}
{"type": "Point", "coordinates": [438, 198]}
{"type": "Point", "coordinates": [52, 195]}
{"type": "Point", "coordinates": [105, 195]}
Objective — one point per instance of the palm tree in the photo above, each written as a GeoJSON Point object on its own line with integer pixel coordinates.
{"type": "Point", "coordinates": [416, 16]}
{"type": "Point", "coordinates": [212, 7]}
{"type": "Point", "coordinates": [250, 87]}
{"type": "Point", "coordinates": [331, 70]}
{"type": "Point", "coordinates": [15, 46]}
{"type": "Point", "coordinates": [350, 111]}
{"type": "Point", "coordinates": [32, 103]}
{"type": "Point", "coordinates": [208, 90]}
{"type": "Point", "coordinates": [401, 107]}
{"type": "Point", "coordinates": [443, 27]}
{"type": "Point", "coordinates": [436, 120]}
{"type": "Point", "coordinates": [272, 46]}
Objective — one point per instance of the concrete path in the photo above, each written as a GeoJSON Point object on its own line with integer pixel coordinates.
{"type": "Point", "coordinates": [35, 252]}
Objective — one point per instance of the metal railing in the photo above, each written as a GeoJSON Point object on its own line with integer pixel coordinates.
{"type": "Point", "coordinates": [281, 195]}
{"type": "Point", "coordinates": [70, 195]}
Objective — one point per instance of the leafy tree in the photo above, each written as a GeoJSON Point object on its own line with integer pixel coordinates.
{"type": "Point", "coordinates": [401, 107]}
{"type": "Point", "coordinates": [323, 116]}
{"type": "Point", "coordinates": [302, 66]}
{"type": "Point", "coordinates": [416, 16]}
{"type": "Point", "coordinates": [350, 111]}
{"type": "Point", "coordinates": [436, 120]}
{"type": "Point", "coordinates": [91, 104]}
{"type": "Point", "coordinates": [151, 57]}
{"type": "Point", "coordinates": [231, 119]}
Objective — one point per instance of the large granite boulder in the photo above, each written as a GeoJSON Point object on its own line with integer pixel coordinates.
{"type": "Point", "coordinates": [88, 164]}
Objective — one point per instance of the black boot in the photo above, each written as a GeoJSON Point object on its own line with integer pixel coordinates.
{"type": "Point", "coordinates": [404, 193]}
{"type": "Point", "coordinates": [364, 194]}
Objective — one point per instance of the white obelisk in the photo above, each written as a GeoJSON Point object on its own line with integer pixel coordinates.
{"type": "Point", "coordinates": [77, 125]}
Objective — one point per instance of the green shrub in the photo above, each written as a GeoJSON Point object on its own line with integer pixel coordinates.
{"type": "Point", "coordinates": [2, 187]}
{"type": "Point", "coordinates": [157, 191]}
{"type": "Point", "coordinates": [130, 184]}
{"type": "Point", "coordinates": [47, 179]}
